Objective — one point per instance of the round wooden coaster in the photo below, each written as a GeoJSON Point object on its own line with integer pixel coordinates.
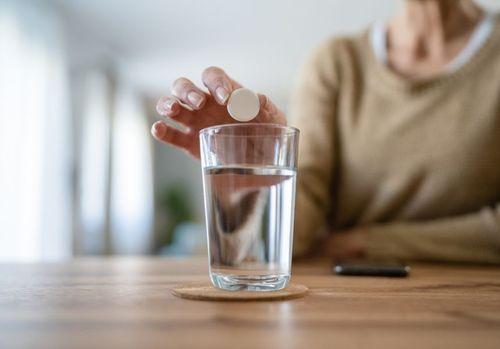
{"type": "Point", "coordinates": [205, 291]}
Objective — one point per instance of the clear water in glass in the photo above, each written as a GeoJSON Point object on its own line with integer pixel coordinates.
{"type": "Point", "coordinates": [249, 216]}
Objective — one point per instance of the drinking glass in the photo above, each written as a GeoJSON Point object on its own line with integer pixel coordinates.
{"type": "Point", "coordinates": [249, 173]}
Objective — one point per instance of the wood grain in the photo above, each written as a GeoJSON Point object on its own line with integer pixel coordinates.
{"type": "Point", "coordinates": [126, 303]}
{"type": "Point", "coordinates": [205, 291]}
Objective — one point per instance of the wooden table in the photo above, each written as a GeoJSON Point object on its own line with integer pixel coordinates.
{"type": "Point", "coordinates": [125, 303]}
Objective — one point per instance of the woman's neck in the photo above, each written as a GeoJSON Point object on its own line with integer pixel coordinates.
{"type": "Point", "coordinates": [427, 34]}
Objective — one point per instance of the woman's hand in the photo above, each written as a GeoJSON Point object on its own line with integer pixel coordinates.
{"type": "Point", "coordinates": [347, 245]}
{"type": "Point", "coordinates": [196, 109]}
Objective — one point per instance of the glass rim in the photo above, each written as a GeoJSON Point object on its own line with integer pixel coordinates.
{"type": "Point", "coordinates": [288, 129]}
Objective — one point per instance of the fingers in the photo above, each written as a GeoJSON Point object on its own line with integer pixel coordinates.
{"type": "Point", "coordinates": [171, 108]}
{"type": "Point", "coordinates": [168, 106]}
{"type": "Point", "coordinates": [170, 135]}
{"type": "Point", "coordinates": [219, 84]}
{"type": "Point", "coordinates": [188, 93]}
{"type": "Point", "coordinates": [267, 105]}
{"type": "Point", "coordinates": [268, 112]}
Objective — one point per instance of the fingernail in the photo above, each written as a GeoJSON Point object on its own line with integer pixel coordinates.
{"type": "Point", "coordinates": [159, 129]}
{"type": "Point", "coordinates": [222, 94]}
{"type": "Point", "coordinates": [195, 99]}
{"type": "Point", "coordinates": [169, 104]}
{"type": "Point", "coordinates": [163, 107]}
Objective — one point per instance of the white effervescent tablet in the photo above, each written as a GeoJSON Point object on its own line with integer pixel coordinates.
{"type": "Point", "coordinates": [243, 105]}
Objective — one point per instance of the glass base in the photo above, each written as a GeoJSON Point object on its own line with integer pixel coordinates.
{"type": "Point", "coordinates": [230, 282]}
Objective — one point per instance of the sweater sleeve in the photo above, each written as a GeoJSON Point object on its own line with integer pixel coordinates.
{"type": "Point", "coordinates": [473, 237]}
{"type": "Point", "coordinates": [313, 112]}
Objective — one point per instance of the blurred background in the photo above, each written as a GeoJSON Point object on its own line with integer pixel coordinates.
{"type": "Point", "coordinates": [79, 79]}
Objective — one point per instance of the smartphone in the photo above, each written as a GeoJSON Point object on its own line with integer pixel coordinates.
{"type": "Point", "coordinates": [362, 269]}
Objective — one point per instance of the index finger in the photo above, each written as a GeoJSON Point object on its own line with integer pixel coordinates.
{"type": "Point", "coordinates": [219, 84]}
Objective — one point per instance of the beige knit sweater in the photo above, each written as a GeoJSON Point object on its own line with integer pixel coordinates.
{"type": "Point", "coordinates": [417, 163]}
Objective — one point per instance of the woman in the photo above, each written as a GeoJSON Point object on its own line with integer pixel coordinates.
{"type": "Point", "coordinates": [400, 136]}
